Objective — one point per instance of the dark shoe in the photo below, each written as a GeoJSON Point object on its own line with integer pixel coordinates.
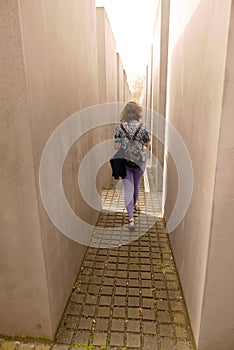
{"type": "Point", "coordinates": [131, 225]}
{"type": "Point", "coordinates": [137, 209]}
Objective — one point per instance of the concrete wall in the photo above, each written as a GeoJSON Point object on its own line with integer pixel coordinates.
{"type": "Point", "coordinates": [127, 92]}
{"type": "Point", "coordinates": [48, 71]}
{"type": "Point", "coordinates": [107, 60]}
{"type": "Point", "coordinates": [217, 322]}
{"type": "Point", "coordinates": [120, 79]}
{"type": "Point", "coordinates": [107, 75]}
{"type": "Point", "coordinates": [200, 105]}
{"type": "Point", "coordinates": [158, 71]}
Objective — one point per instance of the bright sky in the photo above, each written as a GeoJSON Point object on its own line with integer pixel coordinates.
{"type": "Point", "coordinates": [132, 23]}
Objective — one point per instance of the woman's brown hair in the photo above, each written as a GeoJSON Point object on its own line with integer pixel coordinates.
{"type": "Point", "coordinates": [131, 111]}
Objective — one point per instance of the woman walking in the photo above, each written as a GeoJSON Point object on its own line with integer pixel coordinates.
{"type": "Point", "coordinates": [131, 135]}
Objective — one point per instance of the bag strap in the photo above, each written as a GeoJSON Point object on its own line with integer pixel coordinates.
{"type": "Point", "coordinates": [135, 134]}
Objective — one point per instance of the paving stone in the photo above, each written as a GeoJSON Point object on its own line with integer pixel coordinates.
{"type": "Point", "coordinates": [77, 298]}
{"type": "Point", "coordinates": [134, 291]}
{"type": "Point", "coordinates": [149, 315]}
{"type": "Point", "coordinates": [162, 305]}
{"type": "Point", "coordinates": [74, 309]}
{"type": "Point", "coordinates": [123, 260]}
{"type": "Point", "coordinates": [97, 272]}
{"type": "Point", "coordinates": [150, 343]}
{"type": "Point", "coordinates": [175, 294]}
{"type": "Point", "coordinates": [133, 301]}
{"type": "Point", "coordinates": [146, 275]}
{"type": "Point", "coordinates": [171, 276]}
{"type": "Point", "coordinates": [133, 267]}
{"type": "Point", "coordinates": [99, 339]}
{"type": "Point", "coordinates": [59, 347]}
{"type": "Point", "coordinates": [166, 330]}
{"type": "Point", "coordinates": [93, 289]}
{"type": "Point", "coordinates": [145, 261]}
{"type": "Point", "coordinates": [81, 338]}
{"type": "Point", "coordinates": [32, 346]}
{"type": "Point", "coordinates": [164, 317]}
{"type": "Point", "coordinates": [117, 339]}
{"type": "Point", "coordinates": [180, 332]}
{"type": "Point", "coordinates": [148, 303]}
{"type": "Point", "coordinates": [134, 312]}
{"type": "Point", "coordinates": [173, 285]}
{"type": "Point", "coordinates": [179, 318]}
{"type": "Point", "coordinates": [161, 294]}
{"type": "Point", "coordinates": [88, 310]}
{"type": "Point", "coordinates": [119, 301]}
{"type": "Point", "coordinates": [184, 345]}
{"type": "Point", "coordinates": [110, 273]}
{"type": "Point", "coordinates": [122, 274]}
{"type": "Point", "coordinates": [96, 280]}
{"type": "Point", "coordinates": [42, 347]}
{"type": "Point", "coordinates": [167, 344]}
{"type": "Point", "coordinates": [177, 306]}
{"type": "Point", "coordinates": [134, 283]}
{"type": "Point", "coordinates": [103, 311]}
{"type": "Point", "coordinates": [146, 283]}
{"type": "Point", "coordinates": [64, 337]}
{"type": "Point", "coordinates": [119, 312]}
{"type": "Point", "coordinates": [146, 292]}
{"type": "Point", "coordinates": [105, 300]}
{"type": "Point", "coordinates": [149, 327]}
{"type": "Point", "coordinates": [121, 282]}
{"type": "Point", "coordinates": [101, 324]}
{"type": "Point", "coordinates": [134, 341]}
{"type": "Point", "coordinates": [160, 285]}
{"type": "Point", "coordinates": [91, 299]}
{"type": "Point", "coordinates": [86, 323]}
{"type": "Point", "coordinates": [122, 267]}
{"type": "Point", "coordinates": [159, 276]}
{"type": "Point", "coordinates": [106, 290]}
{"type": "Point", "coordinates": [133, 326]}
{"type": "Point", "coordinates": [87, 271]}
{"type": "Point", "coordinates": [145, 268]}
{"type": "Point", "coordinates": [121, 291]}
{"type": "Point", "coordinates": [71, 321]}
{"type": "Point", "coordinates": [134, 274]}
{"type": "Point", "coordinates": [118, 325]}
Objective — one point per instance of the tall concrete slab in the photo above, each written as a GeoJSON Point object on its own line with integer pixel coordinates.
{"type": "Point", "coordinates": [217, 324]}
{"type": "Point", "coordinates": [48, 70]}
{"type": "Point", "coordinates": [120, 79]}
{"type": "Point", "coordinates": [107, 60]}
{"type": "Point", "coordinates": [158, 78]}
{"type": "Point", "coordinates": [127, 93]}
{"type": "Point", "coordinates": [107, 75]}
{"type": "Point", "coordinates": [199, 105]}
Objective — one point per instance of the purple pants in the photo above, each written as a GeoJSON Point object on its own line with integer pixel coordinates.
{"type": "Point", "coordinates": [132, 187]}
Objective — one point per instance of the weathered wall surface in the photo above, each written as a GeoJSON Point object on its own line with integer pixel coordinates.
{"type": "Point", "coordinates": [157, 96]}
{"type": "Point", "coordinates": [45, 77]}
{"type": "Point", "coordinates": [107, 60]}
{"type": "Point", "coordinates": [112, 79]}
{"type": "Point", "coordinates": [199, 106]}
{"type": "Point", "coordinates": [216, 331]}
{"type": "Point", "coordinates": [120, 79]}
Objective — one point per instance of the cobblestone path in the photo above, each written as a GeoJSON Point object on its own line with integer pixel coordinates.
{"type": "Point", "coordinates": [127, 296]}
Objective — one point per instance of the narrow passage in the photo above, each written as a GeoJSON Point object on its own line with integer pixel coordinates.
{"type": "Point", "coordinates": [128, 297]}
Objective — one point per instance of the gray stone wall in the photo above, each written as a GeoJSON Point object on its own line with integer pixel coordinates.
{"type": "Point", "coordinates": [45, 77]}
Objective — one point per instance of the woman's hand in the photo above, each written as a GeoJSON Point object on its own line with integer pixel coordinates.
{"type": "Point", "coordinates": [147, 144]}
{"type": "Point", "coordinates": [116, 145]}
